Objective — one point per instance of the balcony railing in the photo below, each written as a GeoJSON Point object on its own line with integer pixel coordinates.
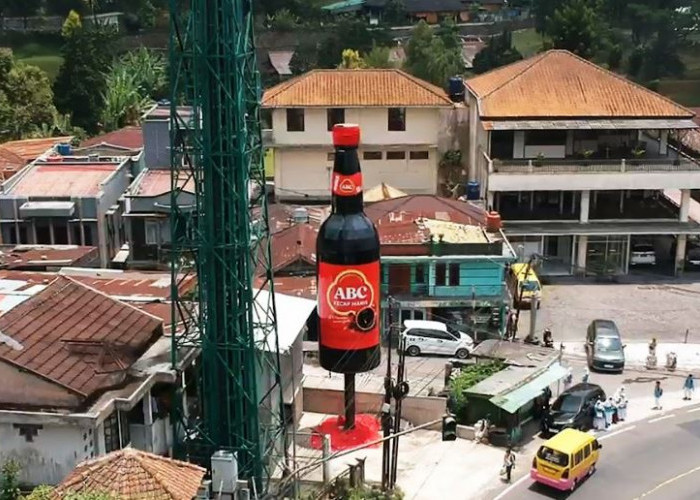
{"type": "Point", "coordinates": [579, 166]}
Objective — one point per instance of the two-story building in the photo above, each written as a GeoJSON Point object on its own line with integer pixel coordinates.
{"type": "Point", "coordinates": [405, 124]}
{"type": "Point", "coordinates": [66, 200]}
{"type": "Point", "coordinates": [578, 162]}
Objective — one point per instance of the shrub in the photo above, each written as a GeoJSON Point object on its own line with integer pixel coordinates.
{"type": "Point", "coordinates": [468, 377]}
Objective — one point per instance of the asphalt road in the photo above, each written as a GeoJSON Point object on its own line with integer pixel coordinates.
{"type": "Point", "coordinates": [655, 459]}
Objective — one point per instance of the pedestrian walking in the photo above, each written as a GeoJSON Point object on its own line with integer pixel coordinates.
{"type": "Point", "coordinates": [599, 415]}
{"type": "Point", "coordinates": [508, 463]}
{"type": "Point", "coordinates": [586, 376]}
{"type": "Point", "coordinates": [568, 379]}
{"type": "Point", "coordinates": [608, 410]}
{"type": "Point", "coordinates": [688, 387]}
{"type": "Point", "coordinates": [658, 392]}
{"type": "Point", "coordinates": [621, 403]}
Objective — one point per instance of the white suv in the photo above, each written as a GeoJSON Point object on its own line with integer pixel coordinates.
{"type": "Point", "coordinates": [643, 254]}
{"type": "Point", "coordinates": [434, 337]}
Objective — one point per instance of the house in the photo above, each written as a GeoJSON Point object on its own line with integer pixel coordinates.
{"type": "Point", "coordinates": [131, 474]}
{"type": "Point", "coordinates": [576, 159]}
{"type": "Point", "coordinates": [85, 375]}
{"type": "Point", "coordinates": [66, 200]}
{"type": "Point", "coordinates": [15, 155]}
{"type": "Point", "coordinates": [405, 125]}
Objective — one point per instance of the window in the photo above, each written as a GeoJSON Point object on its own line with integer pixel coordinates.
{"type": "Point", "coordinates": [553, 456]}
{"type": "Point", "coordinates": [111, 428]}
{"type": "Point", "coordinates": [266, 118]}
{"type": "Point", "coordinates": [454, 274]}
{"type": "Point", "coordinates": [396, 155]}
{"type": "Point", "coordinates": [295, 120]}
{"type": "Point", "coordinates": [76, 238]}
{"type": "Point", "coordinates": [578, 457]}
{"type": "Point", "coordinates": [440, 274]}
{"type": "Point", "coordinates": [397, 119]}
{"type": "Point", "coordinates": [335, 116]}
{"type": "Point", "coordinates": [419, 155]}
{"type": "Point", "coordinates": [43, 232]}
{"type": "Point", "coordinates": [151, 232]}
{"type": "Point", "coordinates": [420, 273]}
{"type": "Point", "coordinates": [372, 155]}
{"type": "Point", "coordinates": [60, 233]}
{"type": "Point", "coordinates": [87, 228]}
{"type": "Point", "coordinates": [587, 451]}
{"type": "Point", "coordinates": [330, 157]}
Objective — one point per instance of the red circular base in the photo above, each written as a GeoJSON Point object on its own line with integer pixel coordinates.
{"type": "Point", "coordinates": [367, 428]}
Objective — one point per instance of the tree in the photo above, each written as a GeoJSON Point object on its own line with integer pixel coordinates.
{"type": "Point", "coordinates": [349, 33]}
{"type": "Point", "coordinates": [283, 20]}
{"type": "Point", "coordinates": [544, 10]}
{"type": "Point", "coordinates": [81, 82]}
{"type": "Point", "coordinates": [9, 483]}
{"type": "Point", "coordinates": [395, 13]}
{"type": "Point", "coordinates": [434, 57]}
{"type": "Point", "coordinates": [499, 51]}
{"type": "Point", "coordinates": [576, 27]}
{"type": "Point", "coordinates": [71, 24]}
{"type": "Point", "coordinates": [305, 57]}
{"type": "Point", "coordinates": [351, 60]}
{"type": "Point", "coordinates": [378, 57]}
{"type": "Point", "coordinates": [46, 493]}
{"type": "Point", "coordinates": [23, 8]}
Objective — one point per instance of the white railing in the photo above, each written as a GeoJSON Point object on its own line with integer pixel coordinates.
{"type": "Point", "coordinates": [564, 166]}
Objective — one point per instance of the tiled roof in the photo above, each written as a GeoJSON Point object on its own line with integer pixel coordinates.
{"type": "Point", "coordinates": [56, 179]}
{"type": "Point", "coordinates": [128, 137]}
{"type": "Point", "coordinates": [355, 88]}
{"type": "Point", "coordinates": [428, 206]}
{"type": "Point", "coordinates": [157, 182]}
{"type": "Point", "coordinates": [31, 149]}
{"type": "Point", "coordinates": [131, 474]}
{"type": "Point", "coordinates": [76, 337]}
{"type": "Point", "coordinates": [559, 84]}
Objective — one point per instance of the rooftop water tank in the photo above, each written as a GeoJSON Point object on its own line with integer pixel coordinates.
{"type": "Point", "coordinates": [493, 222]}
{"type": "Point", "coordinates": [300, 215]}
{"type": "Point", "coordinates": [63, 149]}
{"type": "Point", "coordinates": [473, 190]}
{"type": "Point", "coordinates": [456, 89]}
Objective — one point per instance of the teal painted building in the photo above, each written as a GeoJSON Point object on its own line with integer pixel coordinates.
{"type": "Point", "coordinates": [463, 284]}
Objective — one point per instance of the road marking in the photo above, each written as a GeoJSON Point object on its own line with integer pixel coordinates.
{"type": "Point", "coordinates": [694, 410]}
{"type": "Point", "coordinates": [659, 419]}
{"type": "Point", "coordinates": [667, 482]}
{"type": "Point", "coordinates": [512, 486]}
{"type": "Point", "coordinates": [606, 436]}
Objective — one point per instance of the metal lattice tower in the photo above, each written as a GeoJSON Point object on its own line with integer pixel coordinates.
{"type": "Point", "coordinates": [222, 234]}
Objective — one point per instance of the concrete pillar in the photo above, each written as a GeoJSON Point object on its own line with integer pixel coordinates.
{"type": "Point", "coordinates": [685, 205]}
{"type": "Point", "coordinates": [681, 240]}
{"type": "Point", "coordinates": [148, 420]}
{"type": "Point", "coordinates": [489, 200]}
{"type": "Point", "coordinates": [519, 144]}
{"type": "Point", "coordinates": [663, 143]}
{"type": "Point", "coordinates": [581, 255]}
{"type": "Point", "coordinates": [585, 206]}
{"type": "Point", "coordinates": [569, 142]}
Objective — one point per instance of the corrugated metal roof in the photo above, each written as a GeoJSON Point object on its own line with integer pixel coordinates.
{"type": "Point", "coordinates": [130, 137]}
{"type": "Point", "coordinates": [608, 124]}
{"type": "Point", "coordinates": [280, 60]}
{"type": "Point", "coordinates": [559, 84]}
{"type": "Point", "coordinates": [355, 88]}
{"type": "Point", "coordinates": [56, 179]}
{"type": "Point", "coordinates": [519, 397]}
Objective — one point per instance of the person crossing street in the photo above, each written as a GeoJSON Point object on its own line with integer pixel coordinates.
{"type": "Point", "coordinates": [688, 388]}
{"type": "Point", "coordinates": [658, 392]}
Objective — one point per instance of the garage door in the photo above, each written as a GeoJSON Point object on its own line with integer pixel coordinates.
{"type": "Point", "coordinates": [301, 174]}
{"type": "Point", "coordinates": [413, 172]}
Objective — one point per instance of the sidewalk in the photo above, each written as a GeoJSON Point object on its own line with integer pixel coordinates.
{"type": "Point", "coordinates": [688, 355]}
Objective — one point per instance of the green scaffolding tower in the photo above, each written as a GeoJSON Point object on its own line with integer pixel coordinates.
{"type": "Point", "coordinates": [220, 231]}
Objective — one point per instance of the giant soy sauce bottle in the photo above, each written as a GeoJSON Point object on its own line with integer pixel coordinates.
{"type": "Point", "coordinates": [347, 254]}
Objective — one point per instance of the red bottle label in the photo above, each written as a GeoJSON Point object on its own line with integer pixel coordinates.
{"type": "Point", "coordinates": [346, 185]}
{"type": "Point", "coordinates": [348, 306]}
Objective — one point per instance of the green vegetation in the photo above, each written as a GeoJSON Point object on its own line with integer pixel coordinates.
{"type": "Point", "coordinates": [528, 42]}
{"type": "Point", "coordinates": [434, 55]}
{"type": "Point", "coordinates": [498, 52]}
{"type": "Point", "coordinates": [470, 376]}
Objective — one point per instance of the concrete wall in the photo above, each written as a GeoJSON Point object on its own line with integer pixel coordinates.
{"type": "Point", "coordinates": [422, 127]}
{"type": "Point", "coordinates": [20, 387]}
{"type": "Point", "coordinates": [156, 143]}
{"type": "Point", "coordinates": [416, 410]}
{"type": "Point", "coordinates": [52, 454]}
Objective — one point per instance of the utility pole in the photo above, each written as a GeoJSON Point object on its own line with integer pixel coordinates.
{"type": "Point", "coordinates": [386, 407]}
{"type": "Point", "coordinates": [530, 261]}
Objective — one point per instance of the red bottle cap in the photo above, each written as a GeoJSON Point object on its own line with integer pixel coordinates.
{"type": "Point", "coordinates": [346, 135]}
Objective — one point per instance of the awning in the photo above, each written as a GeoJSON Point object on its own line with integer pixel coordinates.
{"type": "Point", "coordinates": [583, 124]}
{"type": "Point", "coordinates": [516, 399]}
{"type": "Point", "coordinates": [47, 209]}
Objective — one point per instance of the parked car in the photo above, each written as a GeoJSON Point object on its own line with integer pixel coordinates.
{"type": "Point", "coordinates": [643, 254]}
{"type": "Point", "coordinates": [573, 409]}
{"type": "Point", "coordinates": [692, 258]}
{"type": "Point", "coordinates": [604, 348]}
{"type": "Point", "coordinates": [434, 337]}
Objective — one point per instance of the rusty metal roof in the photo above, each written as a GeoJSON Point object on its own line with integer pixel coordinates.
{"type": "Point", "coordinates": [297, 243]}
{"type": "Point", "coordinates": [23, 256]}
{"type": "Point", "coordinates": [76, 337]}
{"type": "Point", "coordinates": [158, 182]}
{"type": "Point", "coordinates": [131, 474]}
{"type": "Point", "coordinates": [560, 84]}
{"type": "Point", "coordinates": [355, 88]}
{"type": "Point", "coordinates": [31, 149]}
{"type": "Point", "coordinates": [428, 206]}
{"type": "Point", "coordinates": [63, 179]}
{"type": "Point", "coordinates": [130, 137]}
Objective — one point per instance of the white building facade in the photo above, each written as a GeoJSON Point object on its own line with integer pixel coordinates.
{"type": "Point", "coordinates": [405, 125]}
{"type": "Point", "coordinates": [583, 165]}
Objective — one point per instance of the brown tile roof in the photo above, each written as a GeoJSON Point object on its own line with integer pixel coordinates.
{"type": "Point", "coordinates": [58, 179]}
{"type": "Point", "coordinates": [130, 474]}
{"type": "Point", "coordinates": [559, 84]}
{"type": "Point", "coordinates": [428, 206]}
{"type": "Point", "coordinates": [355, 88]}
{"type": "Point", "coordinates": [77, 337]}
{"type": "Point", "coordinates": [128, 137]}
{"type": "Point", "coordinates": [157, 182]}
{"type": "Point", "coordinates": [31, 149]}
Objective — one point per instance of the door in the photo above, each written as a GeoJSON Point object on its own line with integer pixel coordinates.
{"type": "Point", "coordinates": [424, 340]}
{"type": "Point", "coordinates": [443, 342]}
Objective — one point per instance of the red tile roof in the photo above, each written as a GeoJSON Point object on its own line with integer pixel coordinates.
{"type": "Point", "coordinates": [559, 84]}
{"type": "Point", "coordinates": [157, 182]}
{"type": "Point", "coordinates": [31, 149]}
{"type": "Point", "coordinates": [428, 206]}
{"type": "Point", "coordinates": [77, 337]}
{"type": "Point", "coordinates": [131, 474]}
{"type": "Point", "coordinates": [56, 179]}
{"type": "Point", "coordinates": [355, 88]}
{"type": "Point", "coordinates": [130, 137]}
